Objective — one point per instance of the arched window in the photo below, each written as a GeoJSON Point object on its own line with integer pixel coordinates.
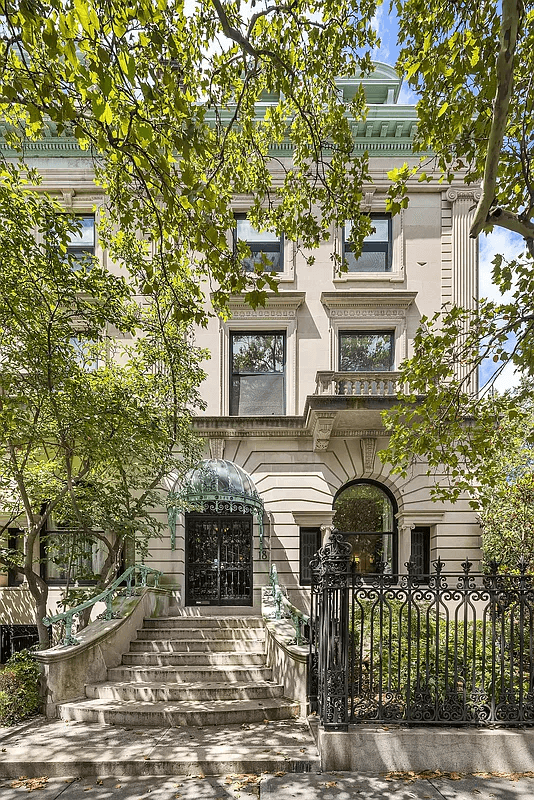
{"type": "Point", "coordinates": [365, 512]}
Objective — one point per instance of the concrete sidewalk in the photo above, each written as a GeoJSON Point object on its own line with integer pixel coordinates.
{"type": "Point", "coordinates": [76, 761]}
{"type": "Point", "coordinates": [335, 786]}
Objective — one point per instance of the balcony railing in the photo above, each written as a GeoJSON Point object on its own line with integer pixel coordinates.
{"type": "Point", "coordinates": [358, 384]}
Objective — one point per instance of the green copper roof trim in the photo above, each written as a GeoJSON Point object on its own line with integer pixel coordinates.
{"type": "Point", "coordinates": [216, 486]}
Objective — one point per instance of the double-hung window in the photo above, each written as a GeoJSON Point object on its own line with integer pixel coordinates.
{"type": "Point", "coordinates": [366, 351]}
{"type": "Point", "coordinates": [257, 373]}
{"type": "Point", "coordinates": [82, 242]}
{"type": "Point", "coordinates": [376, 250]}
{"type": "Point", "coordinates": [266, 247]}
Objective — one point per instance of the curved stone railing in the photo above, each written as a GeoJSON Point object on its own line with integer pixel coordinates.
{"type": "Point", "coordinates": [358, 384]}
{"type": "Point", "coordinates": [129, 577]}
{"type": "Point", "coordinates": [298, 618]}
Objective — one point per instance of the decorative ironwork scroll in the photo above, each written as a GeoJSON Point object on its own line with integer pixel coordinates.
{"type": "Point", "coordinates": [439, 649]}
{"type": "Point", "coordinates": [209, 491]}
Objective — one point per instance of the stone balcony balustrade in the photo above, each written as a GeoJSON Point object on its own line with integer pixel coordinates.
{"type": "Point", "coordinates": [357, 384]}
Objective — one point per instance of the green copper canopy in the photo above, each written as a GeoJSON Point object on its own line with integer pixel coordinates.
{"type": "Point", "coordinates": [217, 486]}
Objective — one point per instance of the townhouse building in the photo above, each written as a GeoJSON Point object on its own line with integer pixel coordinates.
{"type": "Point", "coordinates": [295, 390]}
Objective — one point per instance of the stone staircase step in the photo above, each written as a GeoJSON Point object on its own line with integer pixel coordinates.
{"type": "Point", "coordinates": [157, 692]}
{"type": "Point", "coordinates": [185, 713]}
{"type": "Point", "coordinates": [185, 674]}
{"type": "Point", "coordinates": [193, 659]}
{"type": "Point", "coordinates": [203, 622]}
{"type": "Point", "coordinates": [195, 645]}
{"type": "Point", "coordinates": [59, 749]}
{"type": "Point", "coordinates": [202, 634]}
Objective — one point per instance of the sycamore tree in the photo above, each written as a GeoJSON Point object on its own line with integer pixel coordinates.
{"type": "Point", "coordinates": [164, 95]}
{"type": "Point", "coordinates": [472, 65]}
{"type": "Point", "coordinates": [96, 396]}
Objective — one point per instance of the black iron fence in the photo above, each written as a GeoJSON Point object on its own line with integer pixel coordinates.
{"type": "Point", "coordinates": [435, 649]}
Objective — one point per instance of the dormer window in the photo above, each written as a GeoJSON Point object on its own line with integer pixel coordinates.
{"type": "Point", "coordinates": [266, 247]}
{"type": "Point", "coordinates": [376, 250]}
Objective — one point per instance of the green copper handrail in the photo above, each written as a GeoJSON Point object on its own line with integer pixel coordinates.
{"type": "Point", "coordinates": [129, 576]}
{"type": "Point", "coordinates": [298, 617]}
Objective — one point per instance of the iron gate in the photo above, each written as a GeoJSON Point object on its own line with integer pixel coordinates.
{"type": "Point", "coordinates": [420, 649]}
{"type": "Point", "coordinates": [219, 560]}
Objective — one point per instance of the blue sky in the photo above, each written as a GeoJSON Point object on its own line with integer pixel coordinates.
{"type": "Point", "coordinates": [499, 241]}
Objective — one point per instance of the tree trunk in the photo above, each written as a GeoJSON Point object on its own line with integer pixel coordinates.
{"type": "Point", "coordinates": [42, 629]}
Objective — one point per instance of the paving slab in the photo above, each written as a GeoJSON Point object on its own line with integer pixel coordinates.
{"type": "Point", "coordinates": [308, 786]}
{"type": "Point", "coordinates": [72, 749]}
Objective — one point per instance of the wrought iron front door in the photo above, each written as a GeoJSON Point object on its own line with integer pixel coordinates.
{"type": "Point", "coordinates": [218, 560]}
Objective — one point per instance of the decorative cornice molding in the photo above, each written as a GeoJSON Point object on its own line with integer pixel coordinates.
{"type": "Point", "coordinates": [280, 306]}
{"type": "Point", "coordinates": [355, 433]}
{"type": "Point", "coordinates": [313, 518]}
{"type": "Point", "coordinates": [381, 303]}
{"type": "Point", "coordinates": [344, 313]}
{"type": "Point", "coordinates": [409, 519]}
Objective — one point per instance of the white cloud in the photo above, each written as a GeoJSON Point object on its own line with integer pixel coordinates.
{"type": "Point", "coordinates": [407, 97]}
{"type": "Point", "coordinates": [499, 241]}
{"type": "Point", "coordinates": [508, 244]}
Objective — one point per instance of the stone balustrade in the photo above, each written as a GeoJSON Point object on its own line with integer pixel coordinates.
{"type": "Point", "coordinates": [358, 384]}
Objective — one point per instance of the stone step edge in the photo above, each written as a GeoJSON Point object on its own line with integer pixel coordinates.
{"type": "Point", "coordinates": [266, 684]}
{"type": "Point", "coordinates": [179, 706]}
{"type": "Point", "coordinates": [215, 765]}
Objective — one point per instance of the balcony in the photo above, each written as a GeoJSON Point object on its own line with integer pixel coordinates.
{"type": "Point", "coordinates": [357, 384]}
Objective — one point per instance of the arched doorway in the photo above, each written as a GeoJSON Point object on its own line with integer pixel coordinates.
{"type": "Point", "coordinates": [364, 511]}
{"type": "Point", "coordinates": [219, 537]}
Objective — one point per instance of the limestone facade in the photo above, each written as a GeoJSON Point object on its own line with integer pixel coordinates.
{"type": "Point", "coordinates": [326, 431]}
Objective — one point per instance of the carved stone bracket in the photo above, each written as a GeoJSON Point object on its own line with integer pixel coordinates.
{"type": "Point", "coordinates": [68, 196]}
{"type": "Point", "coordinates": [368, 448]}
{"type": "Point", "coordinates": [322, 429]}
{"type": "Point", "coordinates": [217, 448]}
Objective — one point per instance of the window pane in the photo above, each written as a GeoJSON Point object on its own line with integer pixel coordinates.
{"type": "Point", "coordinates": [363, 508]}
{"type": "Point", "coordinates": [265, 246]}
{"type": "Point", "coordinates": [420, 553]}
{"type": "Point", "coordinates": [365, 352]}
{"type": "Point", "coordinates": [368, 550]}
{"type": "Point", "coordinates": [310, 542]}
{"type": "Point", "coordinates": [258, 379]}
{"type": "Point", "coordinates": [85, 237]}
{"type": "Point", "coordinates": [376, 251]}
{"type": "Point", "coordinates": [257, 352]}
{"type": "Point", "coordinates": [257, 394]}
{"type": "Point", "coordinates": [365, 513]}
{"type": "Point", "coordinates": [368, 262]}
{"type": "Point", "coordinates": [381, 233]}
{"type": "Point", "coordinates": [71, 558]}
{"type": "Point", "coordinates": [247, 232]}
{"type": "Point", "coordinates": [260, 257]}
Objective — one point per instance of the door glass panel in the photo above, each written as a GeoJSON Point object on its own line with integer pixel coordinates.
{"type": "Point", "coordinates": [219, 560]}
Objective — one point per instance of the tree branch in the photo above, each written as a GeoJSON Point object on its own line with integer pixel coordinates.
{"type": "Point", "coordinates": [511, 12]}
{"type": "Point", "coordinates": [512, 222]}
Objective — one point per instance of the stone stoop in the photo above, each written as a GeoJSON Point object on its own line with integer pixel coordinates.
{"type": "Point", "coordinates": [188, 671]}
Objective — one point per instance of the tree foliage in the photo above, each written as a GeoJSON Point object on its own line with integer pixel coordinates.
{"type": "Point", "coordinates": [472, 65]}
{"type": "Point", "coordinates": [96, 392]}
{"type": "Point", "coordinates": [507, 521]}
{"type": "Point", "coordinates": [165, 98]}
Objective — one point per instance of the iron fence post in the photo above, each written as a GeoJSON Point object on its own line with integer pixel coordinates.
{"type": "Point", "coordinates": [332, 572]}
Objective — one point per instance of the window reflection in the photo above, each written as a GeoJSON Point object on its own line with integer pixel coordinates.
{"type": "Point", "coordinates": [364, 513]}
